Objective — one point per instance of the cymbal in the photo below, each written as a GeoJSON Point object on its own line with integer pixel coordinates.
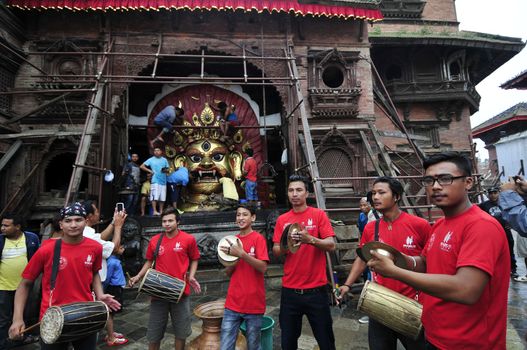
{"type": "Point", "coordinates": [383, 249]}
{"type": "Point", "coordinates": [292, 244]}
{"type": "Point", "coordinates": [224, 258]}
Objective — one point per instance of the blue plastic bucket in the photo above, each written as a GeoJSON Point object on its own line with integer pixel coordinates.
{"type": "Point", "coordinates": [267, 332]}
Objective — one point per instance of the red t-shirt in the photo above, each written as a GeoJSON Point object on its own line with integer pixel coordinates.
{"type": "Point", "coordinates": [475, 239]}
{"type": "Point", "coordinates": [246, 292]}
{"type": "Point", "coordinates": [408, 235]}
{"type": "Point", "coordinates": [307, 267]}
{"type": "Point", "coordinates": [250, 167]}
{"type": "Point", "coordinates": [175, 255]}
{"type": "Point", "coordinates": [78, 264]}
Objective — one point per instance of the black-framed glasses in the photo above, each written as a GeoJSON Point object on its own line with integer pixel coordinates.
{"type": "Point", "coordinates": [442, 180]}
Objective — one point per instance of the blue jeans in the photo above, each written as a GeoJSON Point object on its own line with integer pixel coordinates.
{"type": "Point", "coordinates": [231, 325]}
{"type": "Point", "coordinates": [381, 337]}
{"type": "Point", "coordinates": [250, 190]}
{"type": "Point", "coordinates": [315, 305]}
{"type": "Point", "coordinates": [130, 202]}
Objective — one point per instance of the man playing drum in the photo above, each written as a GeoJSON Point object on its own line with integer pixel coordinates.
{"type": "Point", "coordinates": [177, 254]}
{"type": "Point", "coordinates": [246, 295]}
{"type": "Point", "coordinates": [404, 232]}
{"type": "Point", "coordinates": [78, 275]}
{"type": "Point", "coordinates": [466, 261]}
{"type": "Point", "coordinates": [305, 281]}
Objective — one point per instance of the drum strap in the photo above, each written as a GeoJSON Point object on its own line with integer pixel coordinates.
{"type": "Point", "coordinates": [377, 223]}
{"type": "Point", "coordinates": [55, 268]}
{"type": "Point", "coordinates": [156, 253]}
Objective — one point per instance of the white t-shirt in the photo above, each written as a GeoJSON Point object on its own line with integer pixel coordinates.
{"type": "Point", "coordinates": [107, 249]}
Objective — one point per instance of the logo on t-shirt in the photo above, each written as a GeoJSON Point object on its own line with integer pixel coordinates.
{"type": "Point", "coordinates": [310, 225]}
{"type": "Point", "coordinates": [63, 262]}
{"type": "Point", "coordinates": [447, 247]}
{"type": "Point", "coordinates": [251, 251]}
{"type": "Point", "coordinates": [178, 247]}
{"type": "Point", "coordinates": [409, 243]}
{"type": "Point", "coordinates": [161, 250]}
{"type": "Point", "coordinates": [495, 211]}
{"type": "Point", "coordinates": [89, 261]}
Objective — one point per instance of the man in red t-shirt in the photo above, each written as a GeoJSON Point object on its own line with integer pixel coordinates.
{"type": "Point", "coordinates": [178, 254]}
{"type": "Point", "coordinates": [246, 294]}
{"type": "Point", "coordinates": [466, 261]}
{"type": "Point", "coordinates": [250, 171]}
{"type": "Point", "coordinates": [304, 282]}
{"type": "Point", "coordinates": [404, 232]}
{"type": "Point", "coordinates": [78, 274]}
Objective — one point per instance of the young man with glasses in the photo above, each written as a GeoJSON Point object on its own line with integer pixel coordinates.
{"type": "Point", "coordinates": [466, 261]}
{"type": "Point", "coordinates": [304, 283]}
{"type": "Point", "coordinates": [406, 233]}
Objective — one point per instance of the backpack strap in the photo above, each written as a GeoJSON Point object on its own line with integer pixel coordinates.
{"type": "Point", "coordinates": [55, 268]}
{"type": "Point", "coordinates": [156, 252]}
{"type": "Point", "coordinates": [377, 223]}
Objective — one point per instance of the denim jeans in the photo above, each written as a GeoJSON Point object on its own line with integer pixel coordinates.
{"type": "Point", "coordinates": [7, 298]}
{"type": "Point", "coordinates": [381, 337]}
{"type": "Point", "coordinates": [250, 190]}
{"type": "Point", "coordinates": [315, 305]}
{"type": "Point", "coordinates": [231, 325]}
{"type": "Point", "coordinates": [130, 202]}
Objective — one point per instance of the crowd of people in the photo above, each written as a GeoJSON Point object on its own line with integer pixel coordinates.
{"type": "Point", "coordinates": [458, 269]}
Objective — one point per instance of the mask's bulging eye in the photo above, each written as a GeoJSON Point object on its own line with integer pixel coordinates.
{"type": "Point", "coordinates": [218, 157]}
{"type": "Point", "coordinates": [195, 158]}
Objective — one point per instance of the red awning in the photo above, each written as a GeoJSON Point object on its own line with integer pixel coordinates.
{"type": "Point", "coordinates": [354, 10]}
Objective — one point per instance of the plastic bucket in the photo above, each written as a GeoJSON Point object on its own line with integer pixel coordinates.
{"type": "Point", "coordinates": [267, 332]}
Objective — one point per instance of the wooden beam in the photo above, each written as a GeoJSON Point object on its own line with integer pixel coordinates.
{"type": "Point", "coordinates": [10, 153]}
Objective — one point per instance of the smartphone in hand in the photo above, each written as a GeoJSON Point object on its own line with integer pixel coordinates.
{"type": "Point", "coordinates": [119, 206]}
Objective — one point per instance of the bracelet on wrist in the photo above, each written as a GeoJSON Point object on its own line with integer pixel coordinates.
{"type": "Point", "coordinates": [347, 285]}
{"type": "Point", "coordinates": [414, 262]}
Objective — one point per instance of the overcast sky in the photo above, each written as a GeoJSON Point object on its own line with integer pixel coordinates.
{"type": "Point", "coordinates": [507, 18]}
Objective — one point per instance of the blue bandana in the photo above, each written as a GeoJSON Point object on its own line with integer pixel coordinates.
{"type": "Point", "coordinates": [75, 209]}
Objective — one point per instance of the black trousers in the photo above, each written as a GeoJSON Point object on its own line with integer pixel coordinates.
{"type": "Point", "coordinates": [313, 304]}
{"type": "Point", "coordinates": [381, 337]}
{"type": "Point", "coordinates": [7, 298]}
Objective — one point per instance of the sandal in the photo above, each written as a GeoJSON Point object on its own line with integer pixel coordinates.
{"type": "Point", "coordinates": [117, 342]}
{"type": "Point", "coordinates": [521, 279]}
{"type": "Point", "coordinates": [115, 335]}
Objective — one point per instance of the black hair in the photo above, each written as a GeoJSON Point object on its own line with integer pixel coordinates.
{"type": "Point", "coordinates": [249, 152]}
{"type": "Point", "coordinates": [301, 178]}
{"type": "Point", "coordinates": [222, 106]}
{"type": "Point", "coordinates": [460, 160]}
{"type": "Point", "coordinates": [171, 210]}
{"type": "Point", "coordinates": [369, 198]}
{"type": "Point", "coordinates": [88, 206]}
{"type": "Point", "coordinates": [250, 208]}
{"type": "Point", "coordinates": [17, 219]}
{"type": "Point", "coordinates": [395, 186]}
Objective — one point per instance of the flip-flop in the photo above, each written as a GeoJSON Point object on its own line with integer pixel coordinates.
{"type": "Point", "coordinates": [521, 279]}
{"type": "Point", "coordinates": [117, 342]}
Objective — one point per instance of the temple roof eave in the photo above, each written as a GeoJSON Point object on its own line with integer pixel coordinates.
{"type": "Point", "coordinates": [345, 9]}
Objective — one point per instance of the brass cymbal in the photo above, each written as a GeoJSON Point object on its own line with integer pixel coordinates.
{"type": "Point", "coordinates": [292, 244]}
{"type": "Point", "coordinates": [383, 249]}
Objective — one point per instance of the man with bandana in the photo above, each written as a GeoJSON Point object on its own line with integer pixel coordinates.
{"type": "Point", "coordinates": [78, 277]}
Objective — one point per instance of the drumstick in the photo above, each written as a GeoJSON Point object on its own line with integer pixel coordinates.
{"type": "Point", "coordinates": [29, 328]}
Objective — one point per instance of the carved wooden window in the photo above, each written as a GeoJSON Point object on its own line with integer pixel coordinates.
{"type": "Point", "coordinates": [335, 162]}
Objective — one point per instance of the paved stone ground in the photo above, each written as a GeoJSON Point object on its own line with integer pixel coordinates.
{"type": "Point", "coordinates": [349, 334]}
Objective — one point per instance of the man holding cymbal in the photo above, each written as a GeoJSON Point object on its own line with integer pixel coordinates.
{"type": "Point", "coordinates": [304, 282]}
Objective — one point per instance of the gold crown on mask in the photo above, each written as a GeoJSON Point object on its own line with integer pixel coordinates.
{"type": "Point", "coordinates": [209, 129]}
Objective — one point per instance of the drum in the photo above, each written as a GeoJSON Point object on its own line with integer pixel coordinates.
{"type": "Point", "coordinates": [73, 321]}
{"type": "Point", "coordinates": [224, 258]}
{"type": "Point", "coordinates": [392, 309]}
{"type": "Point", "coordinates": [162, 286]}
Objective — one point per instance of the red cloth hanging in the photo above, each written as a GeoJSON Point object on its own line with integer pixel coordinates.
{"type": "Point", "coordinates": [351, 11]}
